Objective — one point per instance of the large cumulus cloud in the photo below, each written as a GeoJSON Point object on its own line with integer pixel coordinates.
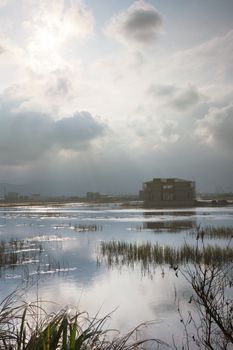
{"type": "Point", "coordinates": [27, 136]}
{"type": "Point", "coordinates": [216, 128]}
{"type": "Point", "coordinates": [178, 98]}
{"type": "Point", "coordinates": [140, 24]}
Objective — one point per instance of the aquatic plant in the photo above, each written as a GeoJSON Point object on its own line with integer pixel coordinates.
{"type": "Point", "coordinates": [225, 232]}
{"type": "Point", "coordinates": [28, 258]}
{"type": "Point", "coordinates": [17, 252]}
{"type": "Point", "coordinates": [119, 253]}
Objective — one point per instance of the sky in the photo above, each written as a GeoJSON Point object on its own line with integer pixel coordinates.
{"type": "Point", "coordinates": [102, 95]}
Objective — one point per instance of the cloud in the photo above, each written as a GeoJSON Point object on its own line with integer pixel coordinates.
{"type": "Point", "coordinates": [77, 131]}
{"type": "Point", "coordinates": [6, 45]}
{"type": "Point", "coordinates": [186, 99]}
{"type": "Point", "coordinates": [55, 21]}
{"type": "Point", "coordinates": [219, 46]}
{"type": "Point", "coordinates": [140, 24]}
{"type": "Point", "coordinates": [46, 91]}
{"type": "Point", "coordinates": [78, 20]}
{"type": "Point", "coordinates": [216, 128]}
{"type": "Point", "coordinates": [2, 49]}
{"type": "Point", "coordinates": [3, 3]}
{"type": "Point", "coordinates": [161, 90]}
{"type": "Point", "coordinates": [52, 82]}
{"type": "Point", "coordinates": [60, 86]}
{"type": "Point", "coordinates": [168, 132]}
{"type": "Point", "coordinates": [177, 97]}
{"type": "Point", "coordinates": [211, 61]}
{"type": "Point", "coordinates": [25, 137]}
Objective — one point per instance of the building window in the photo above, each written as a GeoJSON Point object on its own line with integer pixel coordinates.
{"type": "Point", "coordinates": [168, 196]}
{"type": "Point", "coordinates": [167, 187]}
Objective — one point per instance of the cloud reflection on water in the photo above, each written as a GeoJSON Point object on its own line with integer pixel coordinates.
{"type": "Point", "coordinates": [93, 288]}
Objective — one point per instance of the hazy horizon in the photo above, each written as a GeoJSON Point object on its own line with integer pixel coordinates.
{"type": "Point", "coordinates": [104, 96]}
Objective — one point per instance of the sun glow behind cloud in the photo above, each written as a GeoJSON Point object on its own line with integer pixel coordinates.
{"type": "Point", "coordinates": [157, 100]}
{"type": "Point", "coordinates": [46, 40]}
{"type": "Point", "coordinates": [54, 25]}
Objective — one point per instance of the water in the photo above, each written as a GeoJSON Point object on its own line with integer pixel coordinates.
{"type": "Point", "coordinates": [60, 260]}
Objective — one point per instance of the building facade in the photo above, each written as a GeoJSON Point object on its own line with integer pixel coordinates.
{"type": "Point", "coordinates": [168, 193]}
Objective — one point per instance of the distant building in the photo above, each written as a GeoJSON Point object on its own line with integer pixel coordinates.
{"type": "Point", "coordinates": [23, 198]}
{"type": "Point", "coordinates": [12, 196]}
{"type": "Point", "coordinates": [35, 197]}
{"type": "Point", "coordinates": [168, 193]}
{"type": "Point", "coordinates": [93, 196]}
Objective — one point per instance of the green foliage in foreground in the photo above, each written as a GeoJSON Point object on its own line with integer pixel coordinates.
{"type": "Point", "coordinates": [29, 327]}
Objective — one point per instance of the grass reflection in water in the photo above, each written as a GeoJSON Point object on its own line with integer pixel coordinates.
{"type": "Point", "coordinates": [18, 252]}
{"type": "Point", "coordinates": [29, 257]}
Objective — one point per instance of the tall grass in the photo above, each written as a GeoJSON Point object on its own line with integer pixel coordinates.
{"type": "Point", "coordinates": [28, 258]}
{"type": "Point", "coordinates": [214, 232]}
{"type": "Point", "coordinates": [120, 253]}
{"type": "Point", "coordinates": [17, 252]}
{"type": "Point", "coordinates": [21, 329]}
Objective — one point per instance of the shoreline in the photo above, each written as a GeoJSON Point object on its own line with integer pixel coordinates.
{"type": "Point", "coordinates": [121, 203]}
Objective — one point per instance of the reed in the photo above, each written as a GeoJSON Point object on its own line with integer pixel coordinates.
{"type": "Point", "coordinates": [120, 253]}
{"type": "Point", "coordinates": [17, 252]}
{"type": "Point", "coordinates": [29, 258]}
{"type": "Point", "coordinates": [225, 232]}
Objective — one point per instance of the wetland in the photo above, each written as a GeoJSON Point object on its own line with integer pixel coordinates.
{"type": "Point", "coordinates": [104, 258]}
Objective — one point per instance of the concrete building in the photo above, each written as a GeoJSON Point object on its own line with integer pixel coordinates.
{"type": "Point", "coordinates": [168, 193]}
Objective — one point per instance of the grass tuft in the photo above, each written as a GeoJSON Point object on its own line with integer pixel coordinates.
{"type": "Point", "coordinates": [21, 329]}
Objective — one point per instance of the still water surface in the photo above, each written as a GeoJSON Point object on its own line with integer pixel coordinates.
{"type": "Point", "coordinates": [60, 260]}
